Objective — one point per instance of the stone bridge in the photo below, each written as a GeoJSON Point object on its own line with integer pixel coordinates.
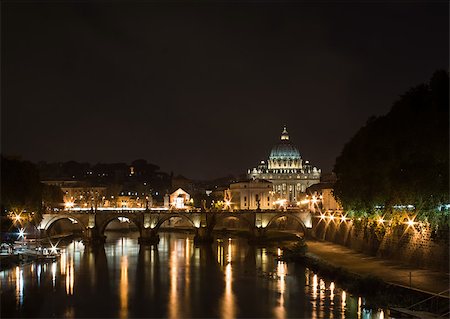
{"type": "Point", "coordinates": [93, 223]}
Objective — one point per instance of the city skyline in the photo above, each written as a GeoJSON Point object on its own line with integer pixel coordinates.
{"type": "Point", "coordinates": [96, 83]}
{"type": "Point", "coordinates": [225, 159]}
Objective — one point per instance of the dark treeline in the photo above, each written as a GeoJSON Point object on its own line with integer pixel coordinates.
{"type": "Point", "coordinates": [138, 176]}
{"type": "Point", "coordinates": [21, 186]}
{"type": "Point", "coordinates": [401, 158]}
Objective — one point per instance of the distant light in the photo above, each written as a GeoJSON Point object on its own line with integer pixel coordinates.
{"type": "Point", "coordinates": [322, 216]}
{"type": "Point", "coordinates": [53, 249]}
{"type": "Point", "coordinates": [331, 217]}
{"type": "Point", "coordinates": [68, 205]}
{"type": "Point", "coordinates": [21, 233]}
{"type": "Point", "coordinates": [343, 218]}
{"type": "Point", "coordinates": [381, 220]}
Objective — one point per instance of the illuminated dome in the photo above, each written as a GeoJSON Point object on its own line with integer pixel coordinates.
{"type": "Point", "coordinates": [284, 149]}
{"type": "Point", "coordinates": [285, 169]}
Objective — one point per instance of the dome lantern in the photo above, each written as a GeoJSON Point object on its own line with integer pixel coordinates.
{"type": "Point", "coordinates": [285, 134]}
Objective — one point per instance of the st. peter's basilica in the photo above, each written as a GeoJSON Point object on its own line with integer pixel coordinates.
{"type": "Point", "coordinates": [289, 173]}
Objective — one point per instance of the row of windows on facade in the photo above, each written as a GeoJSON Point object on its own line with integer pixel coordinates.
{"type": "Point", "coordinates": [299, 187]}
{"type": "Point", "coordinates": [282, 171]}
{"type": "Point", "coordinates": [283, 162]}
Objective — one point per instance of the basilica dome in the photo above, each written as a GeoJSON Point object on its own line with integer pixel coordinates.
{"type": "Point", "coordinates": [284, 149]}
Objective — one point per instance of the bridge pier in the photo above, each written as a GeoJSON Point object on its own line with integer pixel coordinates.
{"type": "Point", "coordinates": [258, 236]}
{"type": "Point", "coordinates": [203, 236]}
{"type": "Point", "coordinates": [149, 236]}
{"type": "Point", "coordinates": [92, 236]}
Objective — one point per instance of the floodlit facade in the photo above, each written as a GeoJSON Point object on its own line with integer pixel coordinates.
{"type": "Point", "coordinates": [179, 199]}
{"type": "Point", "coordinates": [80, 196]}
{"type": "Point", "coordinates": [289, 173]}
{"type": "Point", "coordinates": [251, 194]}
{"type": "Point", "coordinates": [321, 198]}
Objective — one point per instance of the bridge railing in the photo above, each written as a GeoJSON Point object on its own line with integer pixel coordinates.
{"type": "Point", "coordinates": [120, 210]}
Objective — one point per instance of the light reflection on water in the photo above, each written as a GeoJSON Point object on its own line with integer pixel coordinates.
{"type": "Point", "coordinates": [228, 300]}
{"type": "Point", "coordinates": [177, 279]}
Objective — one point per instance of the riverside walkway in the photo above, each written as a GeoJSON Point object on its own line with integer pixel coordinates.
{"type": "Point", "coordinates": [392, 272]}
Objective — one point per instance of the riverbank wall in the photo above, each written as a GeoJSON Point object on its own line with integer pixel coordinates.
{"type": "Point", "coordinates": [417, 245]}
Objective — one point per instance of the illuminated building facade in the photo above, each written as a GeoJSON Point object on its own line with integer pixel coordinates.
{"type": "Point", "coordinates": [289, 173]}
{"type": "Point", "coordinates": [251, 194]}
{"type": "Point", "coordinates": [84, 196]}
{"type": "Point", "coordinates": [180, 199]}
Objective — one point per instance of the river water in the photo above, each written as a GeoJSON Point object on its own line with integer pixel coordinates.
{"type": "Point", "coordinates": [228, 279]}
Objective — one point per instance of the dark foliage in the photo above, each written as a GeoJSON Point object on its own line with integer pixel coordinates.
{"type": "Point", "coordinates": [52, 196]}
{"type": "Point", "coordinates": [21, 188]}
{"type": "Point", "coordinates": [402, 157]}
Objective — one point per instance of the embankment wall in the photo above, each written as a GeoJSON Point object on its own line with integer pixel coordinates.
{"type": "Point", "coordinates": [418, 245]}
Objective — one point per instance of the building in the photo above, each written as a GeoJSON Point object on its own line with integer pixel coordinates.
{"type": "Point", "coordinates": [132, 199]}
{"type": "Point", "coordinates": [180, 199]}
{"type": "Point", "coordinates": [289, 173]}
{"type": "Point", "coordinates": [251, 194]}
{"type": "Point", "coordinates": [320, 196]}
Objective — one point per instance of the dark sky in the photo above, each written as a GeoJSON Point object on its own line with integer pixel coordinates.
{"type": "Point", "coordinates": [204, 89]}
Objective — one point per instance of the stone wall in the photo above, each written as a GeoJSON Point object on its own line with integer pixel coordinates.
{"type": "Point", "coordinates": [416, 245]}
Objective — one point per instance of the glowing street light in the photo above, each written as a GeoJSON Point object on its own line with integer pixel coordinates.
{"type": "Point", "coordinates": [410, 222]}
{"type": "Point", "coordinates": [21, 233]}
{"type": "Point", "coordinates": [53, 250]}
{"type": "Point", "coordinates": [17, 218]}
{"type": "Point", "coordinates": [68, 205]}
{"type": "Point", "coordinates": [281, 202]}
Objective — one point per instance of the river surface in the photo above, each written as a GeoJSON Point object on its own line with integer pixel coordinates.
{"type": "Point", "coordinates": [228, 279]}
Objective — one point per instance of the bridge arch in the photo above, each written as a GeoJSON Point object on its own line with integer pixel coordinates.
{"type": "Point", "coordinates": [222, 217]}
{"type": "Point", "coordinates": [102, 226]}
{"type": "Point", "coordinates": [46, 225]}
{"type": "Point", "coordinates": [162, 220]}
{"type": "Point", "coordinates": [287, 215]}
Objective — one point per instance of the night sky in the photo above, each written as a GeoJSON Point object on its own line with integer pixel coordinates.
{"type": "Point", "coordinates": [204, 89]}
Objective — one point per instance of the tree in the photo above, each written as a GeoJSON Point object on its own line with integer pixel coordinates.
{"type": "Point", "coordinates": [21, 188]}
{"type": "Point", "coordinates": [52, 196]}
{"type": "Point", "coordinates": [401, 158]}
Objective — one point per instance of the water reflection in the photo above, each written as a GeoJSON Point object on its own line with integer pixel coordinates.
{"type": "Point", "coordinates": [228, 302]}
{"type": "Point", "coordinates": [280, 311]}
{"type": "Point", "coordinates": [19, 286]}
{"type": "Point", "coordinates": [173, 266]}
{"type": "Point", "coordinates": [123, 287]}
{"type": "Point", "coordinates": [175, 279]}
{"type": "Point", "coordinates": [53, 274]}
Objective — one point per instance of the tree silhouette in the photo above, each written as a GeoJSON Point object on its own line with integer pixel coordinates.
{"type": "Point", "coordinates": [402, 157]}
